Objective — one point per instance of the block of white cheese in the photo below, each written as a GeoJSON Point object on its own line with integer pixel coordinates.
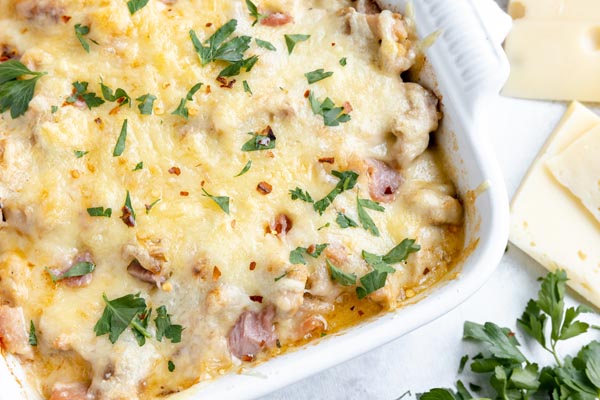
{"type": "Point", "coordinates": [549, 223]}
{"type": "Point", "coordinates": [578, 169]}
{"type": "Point", "coordinates": [554, 9]}
{"type": "Point", "coordinates": [554, 59]}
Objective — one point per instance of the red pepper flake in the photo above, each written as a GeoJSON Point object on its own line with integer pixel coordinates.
{"type": "Point", "coordinates": [252, 265]}
{"type": "Point", "coordinates": [65, 18]}
{"type": "Point", "coordinates": [257, 299]}
{"type": "Point", "coordinates": [114, 110]}
{"type": "Point", "coordinates": [332, 44]}
{"type": "Point", "coordinates": [216, 274]}
{"type": "Point", "coordinates": [328, 160]}
{"type": "Point", "coordinates": [311, 249]}
{"type": "Point", "coordinates": [347, 107]}
{"type": "Point", "coordinates": [225, 83]}
{"type": "Point", "coordinates": [175, 171]}
{"type": "Point", "coordinates": [127, 217]}
{"type": "Point", "coordinates": [184, 194]}
{"type": "Point", "coordinates": [99, 121]}
{"type": "Point", "coordinates": [426, 271]}
{"type": "Point", "coordinates": [264, 188]}
{"type": "Point", "coordinates": [361, 313]}
{"type": "Point", "coordinates": [247, 358]}
{"type": "Point", "coordinates": [306, 94]}
{"type": "Point", "coordinates": [207, 89]}
{"type": "Point", "coordinates": [208, 24]}
{"type": "Point", "coordinates": [352, 308]}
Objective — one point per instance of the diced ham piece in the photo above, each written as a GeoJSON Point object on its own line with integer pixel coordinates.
{"type": "Point", "coordinates": [13, 331]}
{"type": "Point", "coordinates": [70, 391]}
{"type": "Point", "coordinates": [384, 181]}
{"type": "Point", "coordinates": [281, 225]}
{"type": "Point", "coordinates": [39, 10]}
{"type": "Point", "coordinates": [252, 332]}
{"type": "Point", "coordinates": [277, 19]}
{"type": "Point", "coordinates": [136, 270]}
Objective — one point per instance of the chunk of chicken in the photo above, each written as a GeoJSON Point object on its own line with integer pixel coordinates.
{"type": "Point", "coordinates": [39, 10]}
{"type": "Point", "coordinates": [252, 332]}
{"type": "Point", "coordinates": [70, 391]}
{"type": "Point", "coordinates": [13, 332]}
{"type": "Point", "coordinates": [288, 292]}
{"type": "Point", "coordinates": [136, 270]}
{"type": "Point", "coordinates": [151, 254]}
{"type": "Point", "coordinates": [436, 206]}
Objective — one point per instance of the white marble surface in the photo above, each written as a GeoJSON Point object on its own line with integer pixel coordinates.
{"type": "Point", "coordinates": [429, 356]}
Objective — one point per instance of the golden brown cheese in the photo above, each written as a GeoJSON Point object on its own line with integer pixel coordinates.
{"type": "Point", "coordinates": [226, 278]}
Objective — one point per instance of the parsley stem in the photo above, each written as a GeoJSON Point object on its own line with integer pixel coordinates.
{"type": "Point", "coordinates": [140, 329]}
{"type": "Point", "coordinates": [555, 354]}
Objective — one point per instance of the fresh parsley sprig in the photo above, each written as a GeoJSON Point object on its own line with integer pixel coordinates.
{"type": "Point", "coordinates": [297, 255]}
{"type": "Point", "coordinates": [363, 216]}
{"type": "Point", "coordinates": [80, 92]}
{"type": "Point", "coordinates": [511, 374]}
{"type": "Point", "coordinates": [347, 181]}
{"type": "Point", "coordinates": [120, 314]}
{"type": "Point", "coordinates": [253, 11]}
{"type": "Point", "coordinates": [15, 93]}
{"type": "Point", "coordinates": [292, 40]}
{"type": "Point", "coordinates": [78, 269]}
{"type": "Point", "coordinates": [181, 109]}
{"type": "Point", "coordinates": [317, 75]}
{"type": "Point", "coordinates": [80, 32]}
{"type": "Point", "coordinates": [332, 115]}
{"type": "Point", "coordinates": [221, 201]}
{"type": "Point", "coordinates": [120, 95]}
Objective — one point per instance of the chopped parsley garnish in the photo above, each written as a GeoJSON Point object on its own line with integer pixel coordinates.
{"type": "Point", "coordinates": [253, 10]}
{"type": "Point", "coordinates": [53, 109]}
{"type": "Point", "coordinates": [363, 216]}
{"type": "Point", "coordinates": [463, 362]}
{"type": "Point", "coordinates": [327, 225]}
{"type": "Point", "coordinates": [236, 67]}
{"type": "Point", "coordinates": [347, 181]}
{"type": "Point", "coordinates": [297, 255]}
{"type": "Point", "coordinates": [171, 366]}
{"type": "Point", "coordinates": [99, 212]}
{"type": "Point", "coordinates": [265, 45]}
{"type": "Point", "coordinates": [343, 61]}
{"type": "Point", "coordinates": [32, 336]}
{"type": "Point", "coordinates": [128, 213]}
{"type": "Point", "coordinates": [120, 314]}
{"type": "Point", "coordinates": [120, 145]}
{"type": "Point", "coordinates": [332, 115]}
{"type": "Point", "coordinates": [119, 95]}
{"type": "Point", "coordinates": [260, 141]}
{"type": "Point", "coordinates": [80, 153]}
{"type": "Point", "coordinates": [78, 269]}
{"type": "Point", "coordinates": [164, 327]}
{"type": "Point", "coordinates": [245, 169]}
{"type": "Point", "coordinates": [151, 205]}
{"type": "Point", "coordinates": [142, 320]}
{"type": "Point", "coordinates": [292, 40]}
{"type": "Point", "coordinates": [247, 87]}
{"type": "Point", "coordinates": [345, 221]}
{"type": "Point", "coordinates": [16, 94]}
{"type": "Point", "coordinates": [302, 195]}
{"type": "Point", "coordinates": [139, 166]}
{"type": "Point", "coordinates": [146, 103]}
{"type": "Point", "coordinates": [182, 110]}
{"type": "Point", "coordinates": [317, 75]}
{"type": "Point", "coordinates": [80, 32]}
{"type": "Point", "coordinates": [381, 265]}
{"type": "Point", "coordinates": [81, 93]}
{"type": "Point", "coordinates": [136, 5]}
{"type": "Point", "coordinates": [341, 277]}
{"type": "Point", "coordinates": [221, 201]}
{"type": "Point", "coordinates": [277, 279]}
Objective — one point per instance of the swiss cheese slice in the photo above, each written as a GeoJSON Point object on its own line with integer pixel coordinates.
{"type": "Point", "coordinates": [554, 9]}
{"type": "Point", "coordinates": [554, 59]}
{"type": "Point", "coordinates": [578, 169]}
{"type": "Point", "coordinates": [549, 223]}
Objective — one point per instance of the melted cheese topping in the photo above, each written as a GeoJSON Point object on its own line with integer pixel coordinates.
{"type": "Point", "coordinates": [208, 263]}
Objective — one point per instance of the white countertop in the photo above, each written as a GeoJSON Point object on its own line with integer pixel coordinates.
{"type": "Point", "coordinates": [429, 356]}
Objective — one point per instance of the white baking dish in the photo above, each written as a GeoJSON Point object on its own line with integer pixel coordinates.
{"type": "Point", "coordinates": [470, 67]}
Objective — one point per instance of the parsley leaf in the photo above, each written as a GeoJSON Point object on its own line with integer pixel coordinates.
{"type": "Point", "coordinates": [317, 75]}
{"type": "Point", "coordinates": [32, 336]}
{"type": "Point", "coordinates": [254, 12]}
{"type": "Point", "coordinates": [332, 115]}
{"type": "Point", "coordinates": [128, 216]}
{"type": "Point", "coordinates": [78, 269]}
{"type": "Point", "coordinates": [142, 320]}
{"type": "Point", "coordinates": [347, 181]}
{"type": "Point", "coordinates": [343, 61]}
{"type": "Point", "coordinates": [80, 32]}
{"type": "Point", "coordinates": [171, 366]}
{"type": "Point", "coordinates": [297, 255]}
{"type": "Point", "coordinates": [119, 95]}
{"type": "Point", "coordinates": [265, 45]}
{"type": "Point", "coordinates": [247, 87]}
{"type": "Point", "coordinates": [119, 314]}
{"type": "Point", "coordinates": [500, 344]}
{"type": "Point", "coordinates": [221, 201]}
{"type": "Point", "coordinates": [344, 221]}
{"type": "Point", "coordinates": [292, 40]}
{"type": "Point", "coordinates": [16, 94]}
{"type": "Point", "coordinates": [245, 169]}
{"type": "Point", "coordinates": [120, 145]}
{"type": "Point", "coordinates": [182, 110]}
{"type": "Point", "coordinates": [280, 277]}
{"type": "Point", "coordinates": [260, 141]}
{"type": "Point", "coordinates": [99, 212]}
{"type": "Point", "coordinates": [341, 277]}
{"type": "Point", "coordinates": [81, 93]}
{"type": "Point", "coordinates": [300, 194]}
{"type": "Point", "coordinates": [164, 327]}
{"type": "Point", "coordinates": [151, 205]}
{"type": "Point", "coordinates": [139, 166]}
{"type": "Point", "coordinates": [236, 67]}
{"type": "Point", "coordinates": [146, 103]}
{"type": "Point", "coordinates": [401, 251]}
{"type": "Point", "coordinates": [80, 153]}
{"type": "Point", "coordinates": [363, 216]}
{"type": "Point", "coordinates": [136, 5]}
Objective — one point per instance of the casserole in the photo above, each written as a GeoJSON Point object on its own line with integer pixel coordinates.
{"type": "Point", "coordinates": [467, 181]}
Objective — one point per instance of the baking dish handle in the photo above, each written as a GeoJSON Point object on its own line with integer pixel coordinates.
{"type": "Point", "coordinates": [469, 57]}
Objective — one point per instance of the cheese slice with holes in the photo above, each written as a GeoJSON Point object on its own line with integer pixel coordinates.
{"type": "Point", "coordinates": [554, 9]}
{"type": "Point", "coordinates": [549, 223]}
{"type": "Point", "coordinates": [555, 59]}
{"type": "Point", "coordinates": [578, 169]}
